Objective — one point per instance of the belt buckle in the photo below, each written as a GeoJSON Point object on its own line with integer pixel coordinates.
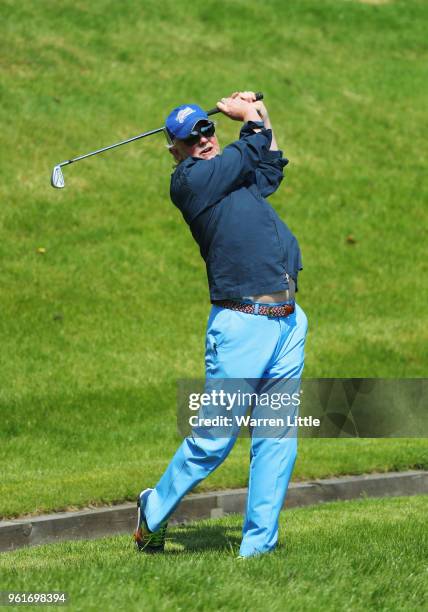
{"type": "Point", "coordinates": [270, 312]}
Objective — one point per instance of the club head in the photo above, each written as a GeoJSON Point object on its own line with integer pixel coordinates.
{"type": "Point", "coordinates": [57, 178]}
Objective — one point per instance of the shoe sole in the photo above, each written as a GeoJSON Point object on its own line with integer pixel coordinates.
{"type": "Point", "coordinates": [137, 538]}
{"type": "Point", "coordinates": [139, 507]}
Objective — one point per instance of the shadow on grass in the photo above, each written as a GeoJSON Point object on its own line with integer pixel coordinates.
{"type": "Point", "coordinates": [193, 538]}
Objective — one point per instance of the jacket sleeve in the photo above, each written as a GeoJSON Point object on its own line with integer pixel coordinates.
{"type": "Point", "coordinates": [269, 173]}
{"type": "Point", "coordinates": [213, 179]}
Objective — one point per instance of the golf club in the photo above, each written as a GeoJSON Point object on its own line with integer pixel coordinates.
{"type": "Point", "coordinates": [57, 177]}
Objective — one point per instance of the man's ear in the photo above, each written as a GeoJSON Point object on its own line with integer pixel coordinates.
{"type": "Point", "coordinates": [175, 153]}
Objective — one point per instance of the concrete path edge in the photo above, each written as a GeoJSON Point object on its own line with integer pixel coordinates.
{"type": "Point", "coordinates": [120, 519]}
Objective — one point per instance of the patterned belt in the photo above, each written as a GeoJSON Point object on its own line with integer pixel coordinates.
{"type": "Point", "coordinates": [270, 311]}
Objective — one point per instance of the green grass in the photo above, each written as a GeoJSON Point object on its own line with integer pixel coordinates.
{"type": "Point", "coordinates": [95, 332]}
{"type": "Point", "coordinates": [360, 555]}
{"type": "Point", "coordinates": [60, 469]}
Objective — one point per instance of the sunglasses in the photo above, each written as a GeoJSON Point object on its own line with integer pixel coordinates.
{"type": "Point", "coordinates": [206, 130]}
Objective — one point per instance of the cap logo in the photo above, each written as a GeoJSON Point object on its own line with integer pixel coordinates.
{"type": "Point", "coordinates": [183, 113]}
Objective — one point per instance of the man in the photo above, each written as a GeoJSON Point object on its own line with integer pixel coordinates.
{"type": "Point", "coordinates": [255, 329]}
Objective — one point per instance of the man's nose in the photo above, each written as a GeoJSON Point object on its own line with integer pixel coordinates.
{"type": "Point", "coordinates": [203, 139]}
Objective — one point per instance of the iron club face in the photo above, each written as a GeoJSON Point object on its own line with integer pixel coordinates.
{"type": "Point", "coordinates": [57, 178]}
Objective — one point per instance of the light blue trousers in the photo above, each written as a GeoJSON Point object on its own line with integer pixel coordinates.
{"type": "Point", "coordinates": [241, 346]}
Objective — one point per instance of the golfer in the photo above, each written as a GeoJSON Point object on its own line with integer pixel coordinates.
{"type": "Point", "coordinates": [255, 329]}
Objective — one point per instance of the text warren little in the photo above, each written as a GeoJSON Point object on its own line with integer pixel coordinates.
{"type": "Point", "coordinates": [249, 421]}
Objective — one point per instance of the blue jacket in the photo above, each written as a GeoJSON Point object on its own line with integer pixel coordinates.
{"type": "Point", "coordinates": [246, 247]}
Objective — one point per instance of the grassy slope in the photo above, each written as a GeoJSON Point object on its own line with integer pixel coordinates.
{"type": "Point", "coordinates": [95, 332]}
{"type": "Point", "coordinates": [324, 562]}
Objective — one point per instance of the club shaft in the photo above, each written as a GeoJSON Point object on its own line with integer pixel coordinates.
{"type": "Point", "coordinates": [113, 146]}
